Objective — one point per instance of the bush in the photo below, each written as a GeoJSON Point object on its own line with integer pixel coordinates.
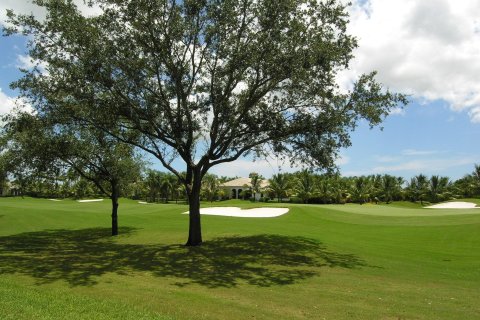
{"type": "Point", "coordinates": [295, 200]}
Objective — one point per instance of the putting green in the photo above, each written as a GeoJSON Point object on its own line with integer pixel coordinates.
{"type": "Point", "coordinates": [393, 211]}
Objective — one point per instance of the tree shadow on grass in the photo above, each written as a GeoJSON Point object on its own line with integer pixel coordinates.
{"type": "Point", "coordinates": [81, 256]}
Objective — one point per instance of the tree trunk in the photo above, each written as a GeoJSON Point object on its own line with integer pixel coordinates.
{"type": "Point", "coordinates": [195, 229]}
{"type": "Point", "coordinates": [114, 197]}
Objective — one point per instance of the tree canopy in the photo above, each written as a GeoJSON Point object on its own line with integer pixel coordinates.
{"type": "Point", "coordinates": [40, 143]}
{"type": "Point", "coordinates": [203, 81]}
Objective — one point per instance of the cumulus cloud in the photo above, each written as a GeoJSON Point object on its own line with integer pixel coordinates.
{"type": "Point", "coordinates": [13, 104]}
{"type": "Point", "coordinates": [342, 160]}
{"type": "Point", "coordinates": [265, 167]}
{"type": "Point", "coordinates": [397, 111]}
{"type": "Point", "coordinates": [27, 7]}
{"type": "Point", "coordinates": [243, 167]}
{"type": "Point", "coordinates": [25, 62]}
{"type": "Point", "coordinates": [6, 103]}
{"type": "Point", "coordinates": [416, 166]}
{"type": "Point", "coordinates": [430, 49]}
{"type": "Point", "coordinates": [475, 114]}
{"type": "Point", "coordinates": [427, 165]}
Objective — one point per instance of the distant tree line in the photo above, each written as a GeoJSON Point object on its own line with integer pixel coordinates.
{"type": "Point", "coordinates": [308, 187]}
{"type": "Point", "coordinates": [301, 187]}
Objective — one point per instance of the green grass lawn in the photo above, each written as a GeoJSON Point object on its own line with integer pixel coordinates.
{"type": "Point", "coordinates": [396, 261]}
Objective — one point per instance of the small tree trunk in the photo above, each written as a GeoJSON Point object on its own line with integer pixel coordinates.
{"type": "Point", "coordinates": [114, 197]}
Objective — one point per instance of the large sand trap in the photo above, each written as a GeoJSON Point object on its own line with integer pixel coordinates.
{"type": "Point", "coordinates": [247, 213]}
{"type": "Point", "coordinates": [54, 200]}
{"type": "Point", "coordinates": [90, 200]}
{"type": "Point", "coordinates": [454, 205]}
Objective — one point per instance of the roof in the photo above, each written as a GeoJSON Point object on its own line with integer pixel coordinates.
{"type": "Point", "coordinates": [241, 182]}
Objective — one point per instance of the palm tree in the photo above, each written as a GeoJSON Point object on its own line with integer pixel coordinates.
{"type": "Point", "coordinates": [326, 189]}
{"type": "Point", "coordinates": [400, 195]}
{"type": "Point", "coordinates": [376, 191]}
{"type": "Point", "coordinates": [439, 188]}
{"type": "Point", "coordinates": [210, 186]}
{"type": "Point", "coordinates": [279, 185]}
{"type": "Point", "coordinates": [389, 188]}
{"type": "Point", "coordinates": [434, 188]}
{"type": "Point", "coordinates": [180, 190]}
{"type": "Point", "coordinates": [167, 185]}
{"type": "Point", "coordinates": [152, 184]}
{"type": "Point", "coordinates": [465, 187]}
{"type": "Point", "coordinates": [476, 179]}
{"type": "Point", "coordinates": [255, 183]}
{"type": "Point", "coordinates": [305, 186]}
{"type": "Point", "coordinates": [361, 189]}
{"type": "Point", "coordinates": [417, 188]}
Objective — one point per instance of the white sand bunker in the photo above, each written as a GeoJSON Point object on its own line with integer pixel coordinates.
{"type": "Point", "coordinates": [454, 205]}
{"type": "Point", "coordinates": [143, 202]}
{"type": "Point", "coordinates": [247, 213]}
{"type": "Point", "coordinates": [90, 200]}
{"type": "Point", "coordinates": [54, 200]}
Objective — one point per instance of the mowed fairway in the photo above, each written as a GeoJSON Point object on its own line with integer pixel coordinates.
{"type": "Point", "coordinates": [395, 261]}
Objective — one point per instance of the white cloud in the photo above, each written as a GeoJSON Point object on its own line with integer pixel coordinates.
{"type": "Point", "coordinates": [6, 103]}
{"type": "Point", "coordinates": [25, 62]}
{"type": "Point", "coordinates": [430, 49]}
{"type": "Point", "coordinates": [9, 104]}
{"type": "Point", "coordinates": [266, 167]}
{"type": "Point", "coordinates": [427, 166]}
{"type": "Point", "coordinates": [416, 166]}
{"type": "Point", "coordinates": [26, 7]}
{"type": "Point", "coordinates": [475, 114]}
{"type": "Point", "coordinates": [243, 167]}
{"type": "Point", "coordinates": [342, 160]}
{"type": "Point", "coordinates": [385, 159]}
{"type": "Point", "coordinates": [414, 152]}
{"type": "Point", "coordinates": [397, 111]}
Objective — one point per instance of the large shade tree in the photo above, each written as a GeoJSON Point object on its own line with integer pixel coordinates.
{"type": "Point", "coordinates": [204, 81]}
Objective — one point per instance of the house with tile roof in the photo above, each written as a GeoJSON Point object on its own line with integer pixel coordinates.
{"type": "Point", "coordinates": [233, 188]}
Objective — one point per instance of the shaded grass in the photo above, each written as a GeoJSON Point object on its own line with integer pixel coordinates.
{"type": "Point", "coordinates": [81, 256]}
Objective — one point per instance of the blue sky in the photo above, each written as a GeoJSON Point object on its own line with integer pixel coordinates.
{"type": "Point", "coordinates": [430, 50]}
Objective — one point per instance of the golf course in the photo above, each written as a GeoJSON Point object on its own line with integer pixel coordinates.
{"type": "Point", "coordinates": [396, 261]}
